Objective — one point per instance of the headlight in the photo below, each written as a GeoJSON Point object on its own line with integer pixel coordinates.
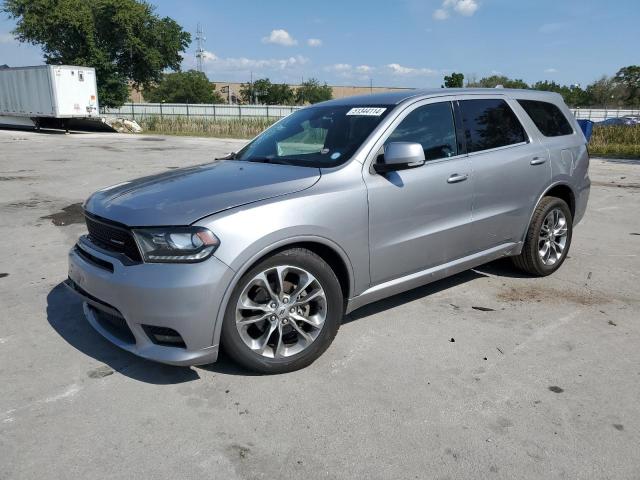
{"type": "Point", "coordinates": [176, 244]}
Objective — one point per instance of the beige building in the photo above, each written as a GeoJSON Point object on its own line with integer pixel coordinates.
{"type": "Point", "coordinates": [230, 91]}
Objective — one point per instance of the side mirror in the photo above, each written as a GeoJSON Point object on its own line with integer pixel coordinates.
{"type": "Point", "coordinates": [400, 156]}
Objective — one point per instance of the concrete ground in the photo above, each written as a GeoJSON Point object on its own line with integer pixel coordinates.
{"type": "Point", "coordinates": [423, 385]}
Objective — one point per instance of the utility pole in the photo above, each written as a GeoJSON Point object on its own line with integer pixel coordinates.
{"type": "Point", "coordinates": [200, 39]}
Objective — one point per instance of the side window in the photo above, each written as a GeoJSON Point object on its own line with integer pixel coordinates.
{"type": "Point", "coordinates": [433, 127]}
{"type": "Point", "coordinates": [490, 123]}
{"type": "Point", "coordinates": [548, 118]}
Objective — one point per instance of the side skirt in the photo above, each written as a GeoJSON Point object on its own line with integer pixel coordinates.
{"type": "Point", "coordinates": [402, 284]}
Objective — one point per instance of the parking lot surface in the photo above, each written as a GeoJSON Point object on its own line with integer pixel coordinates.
{"type": "Point", "coordinates": [488, 374]}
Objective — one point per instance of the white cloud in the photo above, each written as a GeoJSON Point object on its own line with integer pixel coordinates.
{"type": "Point", "coordinates": [346, 70]}
{"type": "Point", "coordinates": [339, 68]}
{"type": "Point", "coordinates": [209, 56]}
{"type": "Point", "coordinates": [314, 42]}
{"type": "Point", "coordinates": [440, 14]}
{"type": "Point", "coordinates": [364, 69]}
{"type": "Point", "coordinates": [462, 7]}
{"type": "Point", "coordinates": [465, 7]}
{"type": "Point", "coordinates": [550, 70]}
{"type": "Point", "coordinates": [397, 69]}
{"type": "Point", "coordinates": [280, 37]}
{"type": "Point", "coordinates": [239, 64]}
{"type": "Point", "coordinates": [6, 38]}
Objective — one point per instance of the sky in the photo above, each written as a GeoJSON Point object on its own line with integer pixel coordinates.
{"type": "Point", "coordinates": [406, 43]}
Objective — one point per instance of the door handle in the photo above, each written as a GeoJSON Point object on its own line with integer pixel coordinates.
{"type": "Point", "coordinates": [537, 161]}
{"type": "Point", "coordinates": [455, 178]}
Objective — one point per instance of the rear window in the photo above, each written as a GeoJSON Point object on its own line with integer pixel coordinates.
{"type": "Point", "coordinates": [548, 118]}
{"type": "Point", "coordinates": [490, 123]}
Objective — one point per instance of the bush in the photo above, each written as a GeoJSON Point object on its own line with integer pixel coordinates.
{"type": "Point", "coordinates": [615, 141]}
{"type": "Point", "coordinates": [206, 126]}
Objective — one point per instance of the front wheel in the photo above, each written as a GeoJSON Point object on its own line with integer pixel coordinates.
{"type": "Point", "coordinates": [548, 238]}
{"type": "Point", "coordinates": [284, 313]}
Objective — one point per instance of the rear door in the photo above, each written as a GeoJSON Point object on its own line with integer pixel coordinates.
{"type": "Point", "coordinates": [510, 168]}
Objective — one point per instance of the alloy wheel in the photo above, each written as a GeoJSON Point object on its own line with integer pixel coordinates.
{"type": "Point", "coordinates": [553, 237]}
{"type": "Point", "coordinates": [281, 311]}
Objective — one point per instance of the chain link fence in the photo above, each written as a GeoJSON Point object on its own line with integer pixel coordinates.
{"type": "Point", "coordinates": [141, 110]}
{"type": "Point", "coordinates": [600, 114]}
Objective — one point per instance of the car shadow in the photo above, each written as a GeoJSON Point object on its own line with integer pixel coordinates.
{"type": "Point", "coordinates": [65, 315]}
{"type": "Point", "coordinates": [501, 268]}
{"type": "Point", "coordinates": [411, 295]}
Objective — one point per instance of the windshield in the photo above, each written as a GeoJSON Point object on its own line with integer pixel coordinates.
{"type": "Point", "coordinates": [315, 136]}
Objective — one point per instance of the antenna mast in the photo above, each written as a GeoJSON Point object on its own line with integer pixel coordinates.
{"type": "Point", "coordinates": [200, 39]}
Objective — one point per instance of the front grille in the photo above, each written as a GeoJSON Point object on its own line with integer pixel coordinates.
{"type": "Point", "coordinates": [112, 237]}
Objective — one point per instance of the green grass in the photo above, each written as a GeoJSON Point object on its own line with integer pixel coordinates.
{"type": "Point", "coordinates": [615, 141]}
{"type": "Point", "coordinates": [607, 141]}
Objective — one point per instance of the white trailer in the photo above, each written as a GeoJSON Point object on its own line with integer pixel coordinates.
{"type": "Point", "coordinates": [30, 96]}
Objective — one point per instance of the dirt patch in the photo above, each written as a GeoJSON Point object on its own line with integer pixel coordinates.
{"type": "Point", "coordinates": [32, 203]}
{"type": "Point", "coordinates": [551, 295]}
{"type": "Point", "coordinates": [152, 139]}
{"type": "Point", "coordinates": [69, 215]}
{"type": "Point", "coordinates": [633, 186]}
{"type": "Point", "coordinates": [10, 179]}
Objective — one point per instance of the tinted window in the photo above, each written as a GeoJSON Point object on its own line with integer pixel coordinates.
{"type": "Point", "coordinates": [490, 124]}
{"type": "Point", "coordinates": [547, 117]}
{"type": "Point", "coordinates": [432, 127]}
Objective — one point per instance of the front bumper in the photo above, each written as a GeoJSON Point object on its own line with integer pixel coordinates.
{"type": "Point", "coordinates": [182, 297]}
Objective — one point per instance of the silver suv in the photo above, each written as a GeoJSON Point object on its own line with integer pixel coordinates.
{"type": "Point", "coordinates": [335, 206]}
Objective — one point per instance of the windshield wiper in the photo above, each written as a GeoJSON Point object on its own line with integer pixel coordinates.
{"type": "Point", "coordinates": [275, 161]}
{"type": "Point", "coordinates": [228, 156]}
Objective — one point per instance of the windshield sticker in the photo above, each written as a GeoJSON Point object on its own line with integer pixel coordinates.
{"type": "Point", "coordinates": [335, 155]}
{"type": "Point", "coordinates": [366, 111]}
{"type": "Point", "coordinates": [324, 151]}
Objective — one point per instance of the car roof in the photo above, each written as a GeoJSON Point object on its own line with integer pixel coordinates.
{"type": "Point", "coordinates": [395, 98]}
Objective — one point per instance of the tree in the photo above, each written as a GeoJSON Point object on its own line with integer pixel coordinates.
{"type": "Point", "coordinates": [183, 87]}
{"type": "Point", "coordinates": [604, 93]}
{"type": "Point", "coordinates": [281, 94]}
{"type": "Point", "coordinates": [124, 40]}
{"type": "Point", "coordinates": [455, 80]}
{"type": "Point", "coordinates": [264, 92]}
{"type": "Point", "coordinates": [256, 92]}
{"type": "Point", "coordinates": [312, 92]}
{"type": "Point", "coordinates": [628, 79]}
{"type": "Point", "coordinates": [573, 95]}
{"type": "Point", "coordinates": [495, 80]}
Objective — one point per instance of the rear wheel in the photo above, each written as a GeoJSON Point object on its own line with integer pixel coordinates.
{"type": "Point", "coordinates": [548, 238]}
{"type": "Point", "coordinates": [284, 313]}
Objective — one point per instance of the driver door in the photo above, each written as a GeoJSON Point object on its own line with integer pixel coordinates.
{"type": "Point", "coordinates": [420, 217]}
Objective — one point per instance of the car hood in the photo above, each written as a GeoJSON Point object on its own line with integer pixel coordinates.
{"type": "Point", "coordinates": [183, 196]}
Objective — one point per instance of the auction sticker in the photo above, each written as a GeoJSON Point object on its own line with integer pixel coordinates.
{"type": "Point", "coordinates": [367, 111]}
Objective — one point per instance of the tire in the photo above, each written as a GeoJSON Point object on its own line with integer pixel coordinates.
{"type": "Point", "coordinates": [282, 342]}
{"type": "Point", "coordinates": [531, 260]}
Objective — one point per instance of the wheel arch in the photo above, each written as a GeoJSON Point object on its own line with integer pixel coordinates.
{"type": "Point", "coordinates": [559, 190]}
{"type": "Point", "coordinates": [330, 252]}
